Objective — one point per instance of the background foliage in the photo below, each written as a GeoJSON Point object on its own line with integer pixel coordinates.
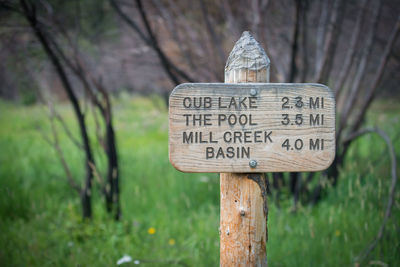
{"type": "Point", "coordinates": [41, 221]}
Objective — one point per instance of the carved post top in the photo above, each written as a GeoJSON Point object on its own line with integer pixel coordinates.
{"type": "Point", "coordinates": [247, 61]}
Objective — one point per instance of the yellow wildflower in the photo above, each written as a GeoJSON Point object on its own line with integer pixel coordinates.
{"type": "Point", "coordinates": [171, 242]}
{"type": "Point", "coordinates": [337, 233]}
{"type": "Point", "coordinates": [151, 231]}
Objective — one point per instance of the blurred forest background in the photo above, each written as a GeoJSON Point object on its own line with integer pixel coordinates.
{"type": "Point", "coordinates": [84, 171]}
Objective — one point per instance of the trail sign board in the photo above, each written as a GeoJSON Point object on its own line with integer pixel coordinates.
{"type": "Point", "coordinates": [253, 127]}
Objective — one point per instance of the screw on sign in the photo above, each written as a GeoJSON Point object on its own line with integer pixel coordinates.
{"type": "Point", "coordinates": [243, 128]}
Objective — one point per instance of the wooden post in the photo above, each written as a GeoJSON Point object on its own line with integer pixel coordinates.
{"type": "Point", "coordinates": [244, 210]}
{"type": "Point", "coordinates": [298, 122]}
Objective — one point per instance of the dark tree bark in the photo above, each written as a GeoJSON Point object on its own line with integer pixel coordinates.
{"type": "Point", "coordinates": [112, 196]}
{"type": "Point", "coordinates": [356, 85]}
{"type": "Point", "coordinates": [343, 145]}
{"type": "Point", "coordinates": [351, 52]}
{"type": "Point", "coordinates": [173, 26]}
{"type": "Point", "coordinates": [99, 98]}
{"type": "Point", "coordinates": [321, 34]}
{"type": "Point", "coordinates": [233, 23]}
{"type": "Point", "coordinates": [174, 73]}
{"type": "Point", "coordinates": [216, 41]}
{"type": "Point", "coordinates": [304, 40]}
{"type": "Point", "coordinates": [29, 11]}
{"type": "Point", "coordinates": [295, 182]}
{"type": "Point", "coordinates": [370, 94]}
{"type": "Point", "coordinates": [295, 43]}
{"type": "Point", "coordinates": [111, 187]}
{"type": "Point", "coordinates": [331, 41]}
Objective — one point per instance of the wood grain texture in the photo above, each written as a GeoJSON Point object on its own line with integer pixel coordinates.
{"type": "Point", "coordinates": [275, 132]}
{"type": "Point", "coordinates": [243, 221]}
{"type": "Point", "coordinates": [243, 199]}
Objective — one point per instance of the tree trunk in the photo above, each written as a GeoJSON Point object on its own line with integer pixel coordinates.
{"type": "Point", "coordinates": [351, 52]}
{"type": "Point", "coordinates": [113, 204]}
{"type": "Point", "coordinates": [295, 43]}
{"type": "Point", "coordinates": [331, 41]}
{"type": "Point", "coordinates": [355, 88]}
{"type": "Point", "coordinates": [30, 15]}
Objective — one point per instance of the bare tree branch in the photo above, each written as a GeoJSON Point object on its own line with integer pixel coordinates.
{"type": "Point", "coordinates": [351, 52]}
{"type": "Point", "coordinates": [359, 118]}
{"type": "Point", "coordinates": [112, 196]}
{"type": "Point", "coordinates": [232, 22]}
{"type": "Point", "coordinates": [97, 175]}
{"type": "Point", "coordinates": [321, 34]}
{"type": "Point", "coordinates": [355, 88]}
{"type": "Point", "coordinates": [390, 202]}
{"type": "Point", "coordinates": [380, 159]}
{"type": "Point", "coordinates": [331, 41]}
{"type": "Point", "coordinates": [151, 40]}
{"type": "Point", "coordinates": [173, 27]}
{"type": "Point", "coordinates": [130, 22]}
{"type": "Point", "coordinates": [304, 40]}
{"type": "Point", "coordinates": [258, 8]}
{"type": "Point", "coordinates": [66, 129]}
{"type": "Point", "coordinates": [100, 138]}
{"type": "Point", "coordinates": [98, 97]}
{"type": "Point", "coordinates": [168, 65]}
{"type": "Point", "coordinates": [56, 145]}
{"type": "Point", "coordinates": [211, 32]}
{"type": "Point", "coordinates": [45, 136]}
{"type": "Point", "coordinates": [64, 163]}
{"type": "Point", "coordinates": [30, 14]}
{"type": "Point", "coordinates": [295, 43]}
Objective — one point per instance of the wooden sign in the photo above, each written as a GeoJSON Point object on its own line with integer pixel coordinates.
{"type": "Point", "coordinates": [259, 127]}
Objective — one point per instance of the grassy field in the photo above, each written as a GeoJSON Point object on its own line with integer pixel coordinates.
{"type": "Point", "coordinates": [172, 218]}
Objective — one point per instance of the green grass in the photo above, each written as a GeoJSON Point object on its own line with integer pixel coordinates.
{"type": "Point", "coordinates": [40, 218]}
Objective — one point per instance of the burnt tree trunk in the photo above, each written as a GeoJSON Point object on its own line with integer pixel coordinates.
{"type": "Point", "coordinates": [295, 43]}
{"type": "Point", "coordinates": [112, 196]}
{"type": "Point", "coordinates": [29, 11]}
{"type": "Point", "coordinates": [331, 41]}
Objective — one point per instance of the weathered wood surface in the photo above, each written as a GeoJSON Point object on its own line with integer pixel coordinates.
{"type": "Point", "coordinates": [243, 200]}
{"type": "Point", "coordinates": [243, 220]}
{"type": "Point", "coordinates": [222, 127]}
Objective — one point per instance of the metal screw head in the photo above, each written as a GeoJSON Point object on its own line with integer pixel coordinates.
{"type": "Point", "coordinates": [253, 92]}
{"type": "Point", "coordinates": [253, 163]}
